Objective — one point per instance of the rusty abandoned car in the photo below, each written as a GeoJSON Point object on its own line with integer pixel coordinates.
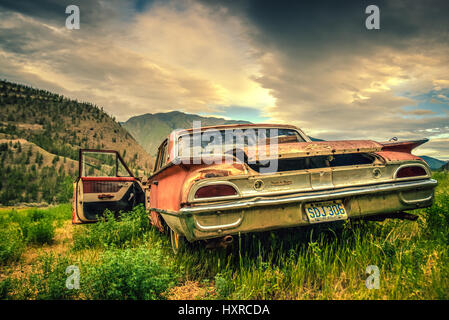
{"type": "Point", "coordinates": [218, 194]}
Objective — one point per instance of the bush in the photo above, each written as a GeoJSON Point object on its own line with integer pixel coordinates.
{"type": "Point", "coordinates": [6, 286]}
{"type": "Point", "coordinates": [223, 285]}
{"type": "Point", "coordinates": [40, 232]}
{"type": "Point", "coordinates": [11, 243]}
{"type": "Point", "coordinates": [49, 279]}
{"type": "Point", "coordinates": [111, 231]}
{"type": "Point", "coordinates": [36, 225]}
{"type": "Point", "coordinates": [28, 226]}
{"type": "Point", "coordinates": [128, 274]}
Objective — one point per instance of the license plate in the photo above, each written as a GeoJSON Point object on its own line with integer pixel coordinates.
{"type": "Point", "coordinates": [325, 211]}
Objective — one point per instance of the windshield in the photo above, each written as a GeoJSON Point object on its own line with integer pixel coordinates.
{"type": "Point", "coordinates": [214, 141]}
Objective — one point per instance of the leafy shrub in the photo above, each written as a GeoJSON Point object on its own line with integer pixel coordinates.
{"type": "Point", "coordinates": [36, 214]}
{"type": "Point", "coordinates": [36, 226]}
{"type": "Point", "coordinates": [17, 228]}
{"type": "Point", "coordinates": [49, 279]}
{"type": "Point", "coordinates": [131, 273]}
{"type": "Point", "coordinates": [11, 243]}
{"type": "Point", "coordinates": [40, 232]}
{"type": "Point", "coordinates": [6, 286]}
{"type": "Point", "coordinates": [111, 231]}
{"type": "Point", "coordinates": [223, 285]}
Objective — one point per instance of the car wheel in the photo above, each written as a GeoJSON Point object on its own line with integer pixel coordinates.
{"type": "Point", "coordinates": [178, 242]}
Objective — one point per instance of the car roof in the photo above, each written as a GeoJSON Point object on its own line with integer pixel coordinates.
{"type": "Point", "coordinates": [240, 125]}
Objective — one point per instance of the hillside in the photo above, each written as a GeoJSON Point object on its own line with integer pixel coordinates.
{"type": "Point", "coordinates": [150, 129]}
{"type": "Point", "coordinates": [54, 127]}
{"type": "Point", "coordinates": [30, 174]}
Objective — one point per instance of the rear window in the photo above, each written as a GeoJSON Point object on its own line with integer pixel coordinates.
{"type": "Point", "coordinates": [221, 141]}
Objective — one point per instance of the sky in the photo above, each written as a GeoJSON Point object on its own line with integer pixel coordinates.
{"type": "Point", "coordinates": [312, 64]}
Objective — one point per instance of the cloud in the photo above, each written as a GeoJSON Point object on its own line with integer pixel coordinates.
{"type": "Point", "coordinates": [96, 15]}
{"type": "Point", "coordinates": [173, 56]}
{"type": "Point", "coordinates": [421, 112]}
{"type": "Point", "coordinates": [437, 148]}
{"type": "Point", "coordinates": [312, 64]}
{"type": "Point", "coordinates": [337, 80]}
{"type": "Point", "coordinates": [356, 96]}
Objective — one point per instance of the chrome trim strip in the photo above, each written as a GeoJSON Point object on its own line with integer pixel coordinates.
{"type": "Point", "coordinates": [401, 197]}
{"type": "Point", "coordinates": [315, 196]}
{"type": "Point", "coordinates": [220, 226]}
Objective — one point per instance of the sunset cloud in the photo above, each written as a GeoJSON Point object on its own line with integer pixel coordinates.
{"type": "Point", "coordinates": [310, 64]}
{"type": "Point", "coordinates": [182, 57]}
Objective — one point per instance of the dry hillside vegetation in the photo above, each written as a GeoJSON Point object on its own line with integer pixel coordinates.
{"type": "Point", "coordinates": [62, 125]}
{"type": "Point", "coordinates": [40, 137]}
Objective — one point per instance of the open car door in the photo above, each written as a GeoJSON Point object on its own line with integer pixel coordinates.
{"type": "Point", "coordinates": [104, 182]}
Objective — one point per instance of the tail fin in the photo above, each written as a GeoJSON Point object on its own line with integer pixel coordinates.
{"type": "Point", "coordinates": [402, 146]}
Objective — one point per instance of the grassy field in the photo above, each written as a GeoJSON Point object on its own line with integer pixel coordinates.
{"type": "Point", "coordinates": [131, 260]}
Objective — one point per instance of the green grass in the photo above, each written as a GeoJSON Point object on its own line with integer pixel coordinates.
{"type": "Point", "coordinates": [12, 243]}
{"type": "Point", "coordinates": [131, 273]}
{"type": "Point", "coordinates": [128, 259]}
{"type": "Point", "coordinates": [330, 261]}
{"type": "Point", "coordinates": [112, 232]}
{"type": "Point", "coordinates": [30, 226]}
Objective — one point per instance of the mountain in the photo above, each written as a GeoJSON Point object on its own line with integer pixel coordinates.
{"type": "Point", "coordinates": [40, 135]}
{"type": "Point", "coordinates": [150, 129]}
{"type": "Point", "coordinates": [433, 163]}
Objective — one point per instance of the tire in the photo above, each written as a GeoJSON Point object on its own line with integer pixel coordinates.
{"type": "Point", "coordinates": [178, 242]}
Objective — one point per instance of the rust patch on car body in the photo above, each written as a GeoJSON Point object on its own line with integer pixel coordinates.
{"type": "Point", "coordinates": [307, 149]}
{"type": "Point", "coordinates": [397, 156]}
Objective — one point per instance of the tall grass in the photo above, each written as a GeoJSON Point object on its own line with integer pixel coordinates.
{"type": "Point", "coordinates": [112, 231]}
{"type": "Point", "coordinates": [330, 261]}
{"type": "Point", "coordinates": [30, 226]}
{"type": "Point", "coordinates": [115, 260]}
{"type": "Point", "coordinates": [131, 273]}
{"type": "Point", "coordinates": [11, 243]}
{"type": "Point", "coordinates": [127, 259]}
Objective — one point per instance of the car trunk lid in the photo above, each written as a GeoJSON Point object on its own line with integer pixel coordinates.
{"type": "Point", "coordinates": [315, 148]}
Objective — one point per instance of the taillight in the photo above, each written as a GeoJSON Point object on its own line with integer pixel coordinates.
{"type": "Point", "coordinates": [412, 171]}
{"type": "Point", "coordinates": [215, 190]}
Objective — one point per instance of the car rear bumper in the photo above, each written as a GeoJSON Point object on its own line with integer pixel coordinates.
{"type": "Point", "coordinates": [268, 213]}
